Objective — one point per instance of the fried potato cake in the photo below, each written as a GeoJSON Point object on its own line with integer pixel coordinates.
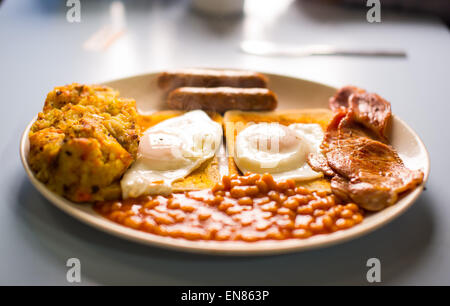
{"type": "Point", "coordinates": [83, 141]}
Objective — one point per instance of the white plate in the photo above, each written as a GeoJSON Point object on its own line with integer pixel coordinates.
{"type": "Point", "coordinates": [292, 93]}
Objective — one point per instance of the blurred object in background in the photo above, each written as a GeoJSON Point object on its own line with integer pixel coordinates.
{"type": "Point", "coordinates": [265, 48]}
{"type": "Point", "coordinates": [110, 32]}
{"type": "Point", "coordinates": [440, 8]}
{"type": "Point", "coordinates": [219, 7]}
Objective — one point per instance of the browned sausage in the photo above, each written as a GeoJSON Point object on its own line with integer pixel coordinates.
{"type": "Point", "coordinates": [210, 78]}
{"type": "Point", "coordinates": [221, 99]}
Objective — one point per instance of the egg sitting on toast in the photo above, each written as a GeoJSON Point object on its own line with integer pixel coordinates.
{"type": "Point", "coordinates": [278, 143]}
{"type": "Point", "coordinates": [171, 150]}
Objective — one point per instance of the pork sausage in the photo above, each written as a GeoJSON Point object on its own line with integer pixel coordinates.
{"type": "Point", "coordinates": [171, 80]}
{"type": "Point", "coordinates": [221, 99]}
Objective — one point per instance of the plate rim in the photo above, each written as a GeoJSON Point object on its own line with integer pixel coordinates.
{"type": "Point", "coordinates": [224, 247]}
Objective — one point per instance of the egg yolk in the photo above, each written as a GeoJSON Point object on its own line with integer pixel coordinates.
{"type": "Point", "coordinates": [269, 148]}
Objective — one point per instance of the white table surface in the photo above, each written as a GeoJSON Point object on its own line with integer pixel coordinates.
{"type": "Point", "coordinates": [40, 49]}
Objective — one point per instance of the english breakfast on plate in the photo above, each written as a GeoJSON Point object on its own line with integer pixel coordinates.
{"type": "Point", "coordinates": [234, 162]}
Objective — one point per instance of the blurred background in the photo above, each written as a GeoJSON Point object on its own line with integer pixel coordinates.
{"type": "Point", "coordinates": [117, 38]}
{"type": "Point", "coordinates": [56, 44]}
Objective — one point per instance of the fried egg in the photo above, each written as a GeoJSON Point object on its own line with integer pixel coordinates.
{"type": "Point", "coordinates": [278, 149]}
{"type": "Point", "coordinates": [170, 151]}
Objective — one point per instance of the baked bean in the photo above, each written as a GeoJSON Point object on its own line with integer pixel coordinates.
{"type": "Point", "coordinates": [245, 221]}
{"type": "Point", "coordinates": [226, 181]}
{"type": "Point", "coordinates": [216, 200]}
{"type": "Point", "coordinates": [249, 179]}
{"type": "Point", "coordinates": [301, 199]}
{"type": "Point", "coordinates": [248, 208]}
{"type": "Point", "coordinates": [268, 179]}
{"type": "Point", "coordinates": [220, 193]}
{"type": "Point", "coordinates": [234, 210]}
{"type": "Point", "coordinates": [283, 198]}
{"type": "Point", "coordinates": [225, 205]}
{"type": "Point", "coordinates": [223, 235]}
{"type": "Point", "coordinates": [248, 237]}
{"type": "Point", "coordinates": [289, 192]}
{"type": "Point", "coordinates": [129, 213]}
{"type": "Point", "coordinates": [160, 230]}
{"type": "Point", "coordinates": [235, 182]}
{"type": "Point", "coordinates": [318, 204]}
{"type": "Point", "coordinates": [346, 213]}
{"type": "Point", "coordinates": [271, 206]}
{"type": "Point", "coordinates": [161, 209]}
{"type": "Point", "coordinates": [302, 233]}
{"type": "Point", "coordinates": [316, 226]}
{"type": "Point", "coordinates": [245, 201]}
{"type": "Point", "coordinates": [285, 211]}
{"type": "Point", "coordinates": [337, 209]}
{"type": "Point", "coordinates": [262, 186]}
{"type": "Point", "coordinates": [327, 221]}
{"type": "Point", "coordinates": [203, 215]}
{"type": "Point", "coordinates": [302, 190]}
{"type": "Point", "coordinates": [282, 186]}
{"type": "Point", "coordinates": [275, 233]}
{"type": "Point", "coordinates": [291, 203]}
{"type": "Point", "coordinates": [253, 178]}
{"type": "Point", "coordinates": [238, 192]}
{"type": "Point", "coordinates": [251, 191]}
{"type": "Point", "coordinates": [285, 223]}
{"type": "Point", "coordinates": [291, 183]}
{"type": "Point", "coordinates": [218, 187]}
{"type": "Point", "coordinates": [262, 225]}
{"type": "Point", "coordinates": [328, 202]}
{"type": "Point", "coordinates": [187, 207]}
{"type": "Point", "coordinates": [149, 225]}
{"type": "Point", "coordinates": [344, 223]}
{"type": "Point", "coordinates": [261, 201]}
{"type": "Point", "coordinates": [133, 222]}
{"type": "Point", "coordinates": [305, 210]}
{"type": "Point", "coordinates": [318, 212]}
{"type": "Point", "coordinates": [162, 218]}
{"type": "Point", "coordinates": [174, 232]}
{"type": "Point", "coordinates": [330, 212]}
{"type": "Point", "coordinates": [266, 214]}
{"type": "Point", "coordinates": [177, 215]}
{"type": "Point", "coordinates": [192, 234]}
{"type": "Point", "coordinates": [118, 216]}
{"type": "Point", "coordinates": [320, 194]}
{"type": "Point", "coordinates": [351, 206]}
{"type": "Point", "coordinates": [172, 204]}
{"type": "Point", "coordinates": [303, 221]}
{"type": "Point", "coordinates": [357, 218]}
{"type": "Point", "coordinates": [151, 204]}
{"type": "Point", "coordinates": [274, 196]}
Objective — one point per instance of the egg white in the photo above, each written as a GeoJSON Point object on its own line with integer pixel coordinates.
{"type": "Point", "coordinates": [169, 151]}
{"type": "Point", "coordinates": [279, 150]}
